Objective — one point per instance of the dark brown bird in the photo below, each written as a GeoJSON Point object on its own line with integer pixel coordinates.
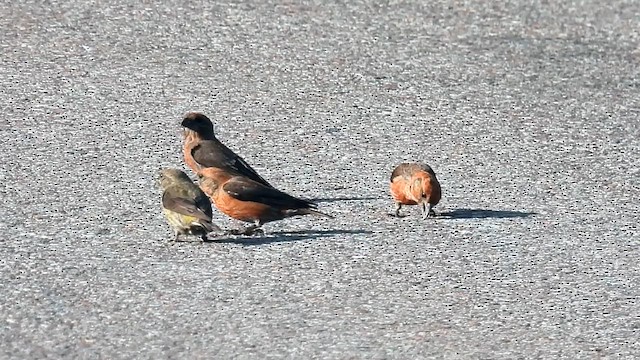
{"type": "Point", "coordinates": [203, 150]}
{"type": "Point", "coordinates": [415, 184]}
{"type": "Point", "coordinates": [248, 200]}
{"type": "Point", "coordinates": [186, 208]}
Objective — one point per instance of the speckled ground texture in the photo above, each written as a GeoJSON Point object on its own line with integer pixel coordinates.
{"type": "Point", "coordinates": [529, 112]}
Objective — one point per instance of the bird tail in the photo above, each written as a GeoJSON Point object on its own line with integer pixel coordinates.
{"type": "Point", "coordinates": [315, 212]}
{"type": "Point", "coordinates": [208, 226]}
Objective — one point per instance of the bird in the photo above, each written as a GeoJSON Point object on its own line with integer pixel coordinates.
{"type": "Point", "coordinates": [201, 149]}
{"type": "Point", "coordinates": [415, 184]}
{"type": "Point", "coordinates": [186, 208]}
{"type": "Point", "coordinates": [247, 200]}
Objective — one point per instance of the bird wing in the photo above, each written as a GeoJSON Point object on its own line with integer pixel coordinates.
{"type": "Point", "coordinates": [212, 153]}
{"type": "Point", "coordinates": [186, 206]}
{"type": "Point", "coordinates": [248, 190]}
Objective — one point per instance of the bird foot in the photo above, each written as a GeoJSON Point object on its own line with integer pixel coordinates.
{"type": "Point", "coordinates": [250, 231]}
{"type": "Point", "coordinates": [430, 214]}
{"type": "Point", "coordinates": [215, 234]}
{"type": "Point", "coordinates": [396, 215]}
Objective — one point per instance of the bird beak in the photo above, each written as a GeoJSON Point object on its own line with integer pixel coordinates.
{"type": "Point", "coordinates": [426, 209]}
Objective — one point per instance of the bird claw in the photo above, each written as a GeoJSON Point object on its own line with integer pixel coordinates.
{"type": "Point", "coordinates": [246, 232]}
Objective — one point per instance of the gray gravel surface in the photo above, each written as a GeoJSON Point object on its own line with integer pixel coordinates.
{"type": "Point", "coordinates": [527, 111]}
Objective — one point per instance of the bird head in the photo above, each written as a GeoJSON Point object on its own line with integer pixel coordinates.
{"type": "Point", "coordinates": [198, 123]}
{"type": "Point", "coordinates": [169, 176]}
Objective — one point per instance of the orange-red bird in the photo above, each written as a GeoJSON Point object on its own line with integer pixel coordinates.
{"type": "Point", "coordinates": [413, 184]}
{"type": "Point", "coordinates": [202, 149]}
{"type": "Point", "coordinates": [248, 200]}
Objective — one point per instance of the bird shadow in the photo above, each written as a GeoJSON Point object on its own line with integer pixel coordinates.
{"type": "Point", "coordinates": [344, 198]}
{"type": "Point", "coordinates": [284, 236]}
{"type": "Point", "coordinates": [484, 214]}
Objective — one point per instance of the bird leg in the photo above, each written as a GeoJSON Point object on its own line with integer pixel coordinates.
{"type": "Point", "coordinates": [397, 212]}
{"type": "Point", "coordinates": [254, 229]}
{"type": "Point", "coordinates": [249, 230]}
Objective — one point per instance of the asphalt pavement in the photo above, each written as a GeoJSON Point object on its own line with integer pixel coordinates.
{"type": "Point", "coordinates": [529, 113]}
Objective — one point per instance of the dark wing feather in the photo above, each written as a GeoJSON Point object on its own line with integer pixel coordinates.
{"type": "Point", "coordinates": [203, 203]}
{"type": "Point", "coordinates": [212, 153]}
{"type": "Point", "coordinates": [427, 168]}
{"type": "Point", "coordinates": [247, 190]}
{"type": "Point", "coordinates": [186, 206]}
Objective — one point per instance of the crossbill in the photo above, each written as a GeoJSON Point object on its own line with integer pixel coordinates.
{"type": "Point", "coordinates": [415, 184]}
{"type": "Point", "coordinates": [186, 208]}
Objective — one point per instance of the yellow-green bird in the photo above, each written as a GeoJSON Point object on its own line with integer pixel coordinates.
{"type": "Point", "coordinates": [186, 207]}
